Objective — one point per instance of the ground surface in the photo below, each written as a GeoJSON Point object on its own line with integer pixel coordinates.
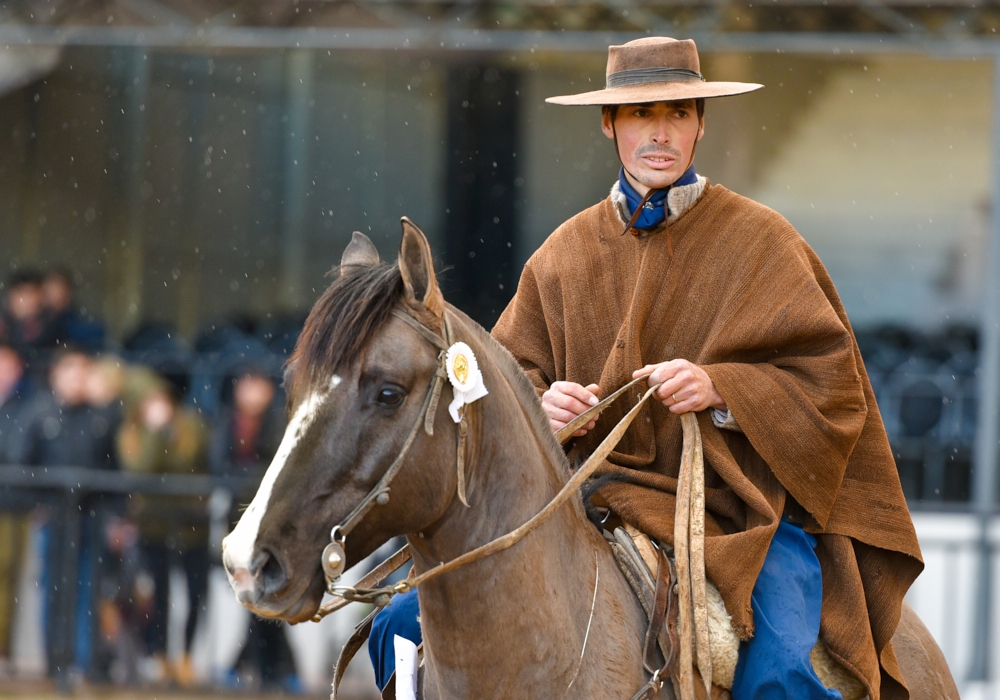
{"type": "Point", "coordinates": [46, 691]}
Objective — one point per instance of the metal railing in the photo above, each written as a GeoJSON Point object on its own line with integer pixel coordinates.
{"type": "Point", "coordinates": [66, 491]}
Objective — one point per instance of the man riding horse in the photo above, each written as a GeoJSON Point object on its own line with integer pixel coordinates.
{"type": "Point", "coordinates": [719, 299]}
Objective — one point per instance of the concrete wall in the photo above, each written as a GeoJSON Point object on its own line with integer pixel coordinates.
{"type": "Point", "coordinates": [887, 177]}
{"type": "Point", "coordinates": [184, 188]}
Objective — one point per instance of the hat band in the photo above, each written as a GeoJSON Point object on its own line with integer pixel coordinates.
{"type": "Point", "coordinates": [642, 76]}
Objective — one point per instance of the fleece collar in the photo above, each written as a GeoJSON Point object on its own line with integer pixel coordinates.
{"type": "Point", "coordinates": [679, 199]}
{"type": "Point", "coordinates": [656, 209]}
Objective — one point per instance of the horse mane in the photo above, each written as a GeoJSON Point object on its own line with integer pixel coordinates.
{"type": "Point", "coordinates": [356, 306]}
{"type": "Point", "coordinates": [346, 317]}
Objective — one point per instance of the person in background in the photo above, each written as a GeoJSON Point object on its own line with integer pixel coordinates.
{"type": "Point", "coordinates": [125, 588]}
{"type": "Point", "coordinates": [64, 430]}
{"type": "Point", "coordinates": [159, 436]}
{"type": "Point", "coordinates": [15, 400]}
{"type": "Point", "coordinates": [16, 396]}
{"type": "Point", "coordinates": [66, 323]}
{"type": "Point", "coordinates": [23, 321]}
{"type": "Point", "coordinates": [246, 436]}
{"type": "Point", "coordinates": [248, 429]}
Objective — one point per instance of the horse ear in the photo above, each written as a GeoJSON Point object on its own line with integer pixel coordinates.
{"type": "Point", "coordinates": [360, 252]}
{"type": "Point", "coordinates": [417, 266]}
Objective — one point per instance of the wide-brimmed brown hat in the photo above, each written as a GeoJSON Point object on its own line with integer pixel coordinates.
{"type": "Point", "coordinates": [654, 69]}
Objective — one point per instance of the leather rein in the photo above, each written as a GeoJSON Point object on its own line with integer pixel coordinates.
{"type": "Point", "coordinates": [368, 589]}
{"type": "Point", "coordinates": [689, 524]}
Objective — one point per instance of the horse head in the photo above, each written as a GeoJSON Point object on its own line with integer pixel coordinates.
{"type": "Point", "coordinates": [357, 384]}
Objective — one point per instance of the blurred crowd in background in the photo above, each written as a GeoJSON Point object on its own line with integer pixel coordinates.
{"type": "Point", "coordinates": [67, 401]}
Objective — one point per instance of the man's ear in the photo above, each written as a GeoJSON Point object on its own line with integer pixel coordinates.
{"type": "Point", "coordinates": [417, 266]}
{"type": "Point", "coordinates": [701, 127]}
{"type": "Point", "coordinates": [607, 125]}
{"type": "Point", "coordinates": [360, 252]}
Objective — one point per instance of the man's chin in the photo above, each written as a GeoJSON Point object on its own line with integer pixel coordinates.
{"type": "Point", "coordinates": [657, 179]}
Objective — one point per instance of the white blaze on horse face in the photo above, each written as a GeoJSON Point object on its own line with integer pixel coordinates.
{"type": "Point", "coordinates": [238, 546]}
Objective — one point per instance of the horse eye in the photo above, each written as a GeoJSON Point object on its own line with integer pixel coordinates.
{"type": "Point", "coordinates": [390, 396]}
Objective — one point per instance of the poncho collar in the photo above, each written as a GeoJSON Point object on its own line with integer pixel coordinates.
{"type": "Point", "coordinates": [657, 208]}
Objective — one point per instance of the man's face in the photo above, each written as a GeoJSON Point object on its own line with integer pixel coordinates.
{"type": "Point", "coordinates": [253, 394]}
{"type": "Point", "coordinates": [57, 292]}
{"type": "Point", "coordinates": [655, 141]}
{"type": "Point", "coordinates": [11, 370]}
{"type": "Point", "coordinates": [25, 301]}
{"type": "Point", "coordinates": [68, 378]}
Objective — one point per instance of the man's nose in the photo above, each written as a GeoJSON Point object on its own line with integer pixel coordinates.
{"type": "Point", "coordinates": [662, 132]}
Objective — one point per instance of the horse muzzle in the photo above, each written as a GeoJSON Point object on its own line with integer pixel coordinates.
{"type": "Point", "coordinates": [255, 580]}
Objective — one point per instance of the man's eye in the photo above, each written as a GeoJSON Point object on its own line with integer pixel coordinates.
{"type": "Point", "coordinates": [390, 396]}
{"type": "Point", "coordinates": [681, 114]}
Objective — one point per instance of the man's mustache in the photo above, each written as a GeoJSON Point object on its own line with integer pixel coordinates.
{"type": "Point", "coordinates": [651, 150]}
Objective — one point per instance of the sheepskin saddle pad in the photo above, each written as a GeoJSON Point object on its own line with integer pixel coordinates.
{"type": "Point", "coordinates": [636, 557]}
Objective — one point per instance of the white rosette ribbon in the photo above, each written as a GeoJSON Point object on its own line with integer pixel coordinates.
{"type": "Point", "coordinates": [465, 377]}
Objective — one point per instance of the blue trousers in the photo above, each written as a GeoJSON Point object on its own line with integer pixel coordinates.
{"type": "Point", "coordinates": [787, 599]}
{"type": "Point", "coordinates": [399, 617]}
{"type": "Point", "coordinates": [773, 665]}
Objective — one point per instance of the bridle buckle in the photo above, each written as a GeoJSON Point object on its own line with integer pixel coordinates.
{"type": "Point", "coordinates": [334, 558]}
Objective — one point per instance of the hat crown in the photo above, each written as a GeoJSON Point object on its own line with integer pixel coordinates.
{"type": "Point", "coordinates": [654, 52]}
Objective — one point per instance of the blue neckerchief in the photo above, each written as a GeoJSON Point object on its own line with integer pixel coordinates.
{"type": "Point", "coordinates": [655, 212]}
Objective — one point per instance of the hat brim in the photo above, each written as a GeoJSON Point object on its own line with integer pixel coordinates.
{"type": "Point", "coordinates": [655, 92]}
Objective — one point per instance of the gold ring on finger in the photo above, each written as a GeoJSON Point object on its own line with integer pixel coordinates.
{"type": "Point", "coordinates": [674, 397]}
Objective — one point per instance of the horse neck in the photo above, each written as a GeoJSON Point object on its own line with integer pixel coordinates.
{"type": "Point", "coordinates": [546, 581]}
{"type": "Point", "coordinates": [512, 474]}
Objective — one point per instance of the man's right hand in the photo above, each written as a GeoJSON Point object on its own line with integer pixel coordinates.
{"type": "Point", "coordinates": [564, 401]}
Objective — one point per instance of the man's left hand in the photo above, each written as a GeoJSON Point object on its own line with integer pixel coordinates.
{"type": "Point", "coordinates": [686, 386]}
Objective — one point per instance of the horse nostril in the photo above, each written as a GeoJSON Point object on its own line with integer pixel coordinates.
{"type": "Point", "coordinates": [270, 573]}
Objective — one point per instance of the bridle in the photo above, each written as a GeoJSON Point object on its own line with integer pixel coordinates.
{"type": "Point", "coordinates": [334, 558]}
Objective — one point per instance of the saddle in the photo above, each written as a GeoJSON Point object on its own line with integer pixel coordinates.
{"type": "Point", "coordinates": [652, 574]}
{"type": "Point", "coordinates": [637, 557]}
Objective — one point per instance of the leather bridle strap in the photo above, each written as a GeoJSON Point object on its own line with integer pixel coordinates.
{"type": "Point", "coordinates": [425, 332]}
{"type": "Point", "coordinates": [375, 577]}
{"type": "Point", "coordinates": [334, 556]}
{"type": "Point", "coordinates": [689, 553]}
{"type": "Point", "coordinates": [380, 492]}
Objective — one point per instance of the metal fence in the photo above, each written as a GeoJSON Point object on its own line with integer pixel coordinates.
{"type": "Point", "coordinates": [948, 596]}
{"type": "Point", "coordinates": [72, 496]}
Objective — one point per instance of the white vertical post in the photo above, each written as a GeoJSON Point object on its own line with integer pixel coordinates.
{"type": "Point", "coordinates": [985, 466]}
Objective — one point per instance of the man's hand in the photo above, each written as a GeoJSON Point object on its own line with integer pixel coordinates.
{"type": "Point", "coordinates": [686, 386]}
{"type": "Point", "coordinates": [564, 401]}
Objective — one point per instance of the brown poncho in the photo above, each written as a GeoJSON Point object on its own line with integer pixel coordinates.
{"type": "Point", "coordinates": [744, 297]}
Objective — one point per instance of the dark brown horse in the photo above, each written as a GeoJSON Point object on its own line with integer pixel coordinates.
{"type": "Point", "coordinates": [550, 617]}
